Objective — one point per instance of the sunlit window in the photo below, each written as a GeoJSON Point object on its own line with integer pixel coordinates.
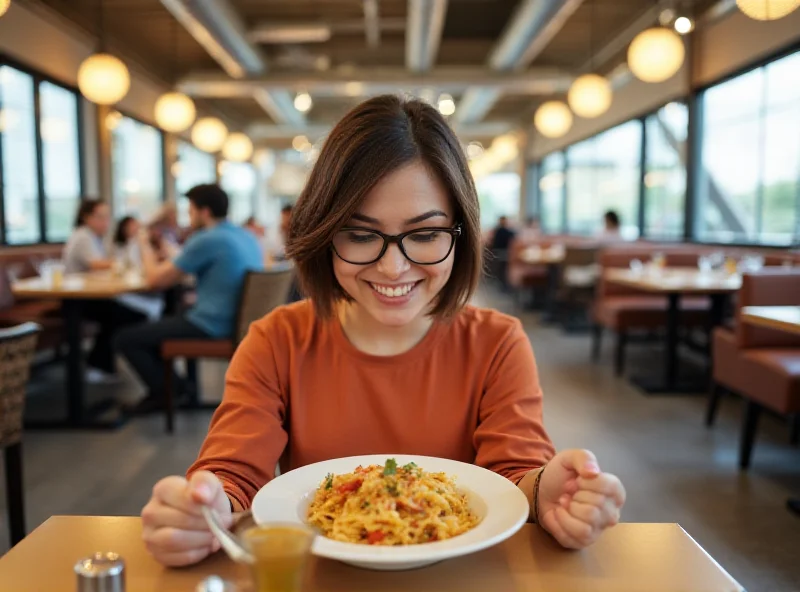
{"type": "Point", "coordinates": [551, 192]}
{"type": "Point", "coordinates": [665, 172]}
{"type": "Point", "coordinates": [137, 169]}
{"type": "Point", "coordinates": [748, 186]}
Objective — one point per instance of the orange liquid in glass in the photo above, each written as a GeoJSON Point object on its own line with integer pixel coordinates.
{"type": "Point", "coordinates": [281, 554]}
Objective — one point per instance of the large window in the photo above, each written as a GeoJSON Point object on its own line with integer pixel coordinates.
{"type": "Point", "coordinates": [60, 159]}
{"type": "Point", "coordinates": [239, 181]}
{"type": "Point", "coordinates": [498, 194]}
{"type": "Point", "coordinates": [551, 193]}
{"type": "Point", "coordinates": [603, 173]}
{"type": "Point", "coordinates": [194, 167]}
{"type": "Point", "coordinates": [137, 169]}
{"type": "Point", "coordinates": [748, 186]}
{"type": "Point", "coordinates": [665, 172]}
{"type": "Point", "coordinates": [41, 185]}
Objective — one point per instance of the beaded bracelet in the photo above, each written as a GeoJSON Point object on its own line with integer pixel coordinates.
{"type": "Point", "coordinates": [536, 495]}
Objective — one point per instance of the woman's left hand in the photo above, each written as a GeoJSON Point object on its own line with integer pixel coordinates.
{"type": "Point", "coordinates": [577, 501]}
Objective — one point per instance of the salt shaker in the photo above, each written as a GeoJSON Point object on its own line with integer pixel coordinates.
{"type": "Point", "coordinates": [102, 572]}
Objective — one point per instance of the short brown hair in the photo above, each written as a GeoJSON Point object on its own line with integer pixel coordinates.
{"type": "Point", "coordinates": [373, 140]}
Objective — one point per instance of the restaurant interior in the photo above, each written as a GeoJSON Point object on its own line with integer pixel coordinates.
{"type": "Point", "coordinates": [637, 164]}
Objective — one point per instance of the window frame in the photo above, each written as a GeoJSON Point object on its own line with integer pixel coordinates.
{"type": "Point", "coordinates": [41, 199]}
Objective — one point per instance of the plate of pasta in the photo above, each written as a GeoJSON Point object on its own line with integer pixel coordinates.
{"type": "Point", "coordinates": [395, 511]}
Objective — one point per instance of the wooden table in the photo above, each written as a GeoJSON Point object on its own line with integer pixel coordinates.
{"type": "Point", "coordinates": [782, 318]}
{"type": "Point", "coordinates": [674, 283]}
{"type": "Point", "coordinates": [628, 558]}
{"type": "Point", "coordinates": [75, 292]}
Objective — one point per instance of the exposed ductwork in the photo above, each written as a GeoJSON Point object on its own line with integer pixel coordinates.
{"type": "Point", "coordinates": [424, 33]}
{"type": "Point", "coordinates": [216, 26]}
{"type": "Point", "coordinates": [531, 28]}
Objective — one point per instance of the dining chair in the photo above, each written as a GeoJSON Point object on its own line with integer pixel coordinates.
{"type": "Point", "coordinates": [262, 292]}
{"type": "Point", "coordinates": [17, 346]}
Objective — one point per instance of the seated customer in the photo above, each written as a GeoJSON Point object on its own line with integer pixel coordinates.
{"type": "Point", "coordinates": [219, 254]}
{"type": "Point", "coordinates": [126, 243]}
{"type": "Point", "coordinates": [611, 227]}
{"type": "Point", "coordinates": [85, 252]}
{"type": "Point", "coordinates": [386, 354]}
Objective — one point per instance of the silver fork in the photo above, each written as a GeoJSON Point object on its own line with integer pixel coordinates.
{"type": "Point", "coordinates": [230, 542]}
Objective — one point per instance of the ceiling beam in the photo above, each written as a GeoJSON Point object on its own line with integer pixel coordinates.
{"type": "Point", "coordinates": [380, 80]}
{"type": "Point", "coordinates": [219, 29]}
{"type": "Point", "coordinates": [372, 23]}
{"type": "Point", "coordinates": [532, 26]}
{"type": "Point", "coordinates": [424, 33]}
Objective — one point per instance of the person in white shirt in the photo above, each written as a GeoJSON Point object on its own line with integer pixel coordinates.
{"type": "Point", "coordinates": [531, 231]}
{"type": "Point", "coordinates": [611, 227]}
{"type": "Point", "coordinates": [129, 258]}
{"type": "Point", "coordinates": [85, 252]}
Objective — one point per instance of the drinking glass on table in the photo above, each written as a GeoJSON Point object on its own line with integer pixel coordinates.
{"type": "Point", "coordinates": [281, 553]}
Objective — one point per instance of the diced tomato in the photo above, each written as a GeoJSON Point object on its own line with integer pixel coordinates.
{"type": "Point", "coordinates": [375, 537]}
{"type": "Point", "coordinates": [351, 486]}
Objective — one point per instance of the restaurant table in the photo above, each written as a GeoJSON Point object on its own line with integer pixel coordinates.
{"type": "Point", "coordinates": [782, 318]}
{"type": "Point", "coordinates": [628, 557]}
{"type": "Point", "coordinates": [674, 283]}
{"type": "Point", "coordinates": [551, 258]}
{"type": "Point", "coordinates": [75, 292]}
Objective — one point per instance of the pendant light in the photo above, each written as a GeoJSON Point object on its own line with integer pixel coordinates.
{"type": "Point", "coordinates": [174, 111]}
{"type": "Point", "coordinates": [4, 5]}
{"type": "Point", "coordinates": [767, 10]}
{"type": "Point", "coordinates": [103, 78]}
{"type": "Point", "coordinates": [590, 94]}
{"type": "Point", "coordinates": [553, 119]}
{"type": "Point", "coordinates": [656, 54]}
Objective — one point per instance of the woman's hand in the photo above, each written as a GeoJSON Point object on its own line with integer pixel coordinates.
{"type": "Point", "coordinates": [175, 531]}
{"type": "Point", "coordinates": [577, 501]}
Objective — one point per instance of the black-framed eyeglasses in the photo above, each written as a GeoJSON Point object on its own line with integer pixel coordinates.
{"type": "Point", "coordinates": [422, 246]}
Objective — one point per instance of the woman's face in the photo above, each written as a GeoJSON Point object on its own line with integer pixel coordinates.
{"type": "Point", "coordinates": [131, 229]}
{"type": "Point", "coordinates": [99, 220]}
{"type": "Point", "coordinates": [407, 199]}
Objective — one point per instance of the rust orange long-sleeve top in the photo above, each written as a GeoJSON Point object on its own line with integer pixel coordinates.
{"type": "Point", "coordinates": [298, 389]}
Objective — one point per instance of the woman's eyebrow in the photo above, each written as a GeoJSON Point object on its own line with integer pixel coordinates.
{"type": "Point", "coordinates": [414, 220]}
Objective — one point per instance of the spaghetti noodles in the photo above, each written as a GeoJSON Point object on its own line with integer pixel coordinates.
{"type": "Point", "coordinates": [390, 505]}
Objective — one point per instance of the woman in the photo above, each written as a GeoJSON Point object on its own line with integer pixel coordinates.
{"type": "Point", "coordinates": [126, 243]}
{"type": "Point", "coordinates": [85, 252]}
{"type": "Point", "coordinates": [385, 355]}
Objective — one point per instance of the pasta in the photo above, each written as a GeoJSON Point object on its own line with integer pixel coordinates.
{"type": "Point", "coordinates": [390, 505]}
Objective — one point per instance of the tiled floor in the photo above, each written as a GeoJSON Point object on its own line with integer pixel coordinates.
{"type": "Point", "coordinates": [674, 468]}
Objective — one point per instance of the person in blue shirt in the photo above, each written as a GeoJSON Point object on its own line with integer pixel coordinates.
{"type": "Point", "coordinates": [219, 255]}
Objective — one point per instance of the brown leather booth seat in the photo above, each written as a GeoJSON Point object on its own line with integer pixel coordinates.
{"type": "Point", "coordinates": [20, 263]}
{"type": "Point", "coordinates": [760, 364]}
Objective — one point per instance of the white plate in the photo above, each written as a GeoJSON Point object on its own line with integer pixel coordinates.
{"type": "Point", "coordinates": [502, 507]}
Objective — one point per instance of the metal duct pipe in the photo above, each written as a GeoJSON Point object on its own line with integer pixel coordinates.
{"type": "Point", "coordinates": [424, 33]}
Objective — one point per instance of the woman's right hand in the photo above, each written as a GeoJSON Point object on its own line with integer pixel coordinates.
{"type": "Point", "coordinates": [175, 531]}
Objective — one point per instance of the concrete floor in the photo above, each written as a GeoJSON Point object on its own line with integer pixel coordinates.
{"type": "Point", "coordinates": [675, 469]}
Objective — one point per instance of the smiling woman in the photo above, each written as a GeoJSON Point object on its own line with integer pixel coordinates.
{"type": "Point", "coordinates": [386, 354]}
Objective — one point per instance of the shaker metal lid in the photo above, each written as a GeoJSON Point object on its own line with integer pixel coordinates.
{"type": "Point", "coordinates": [100, 565]}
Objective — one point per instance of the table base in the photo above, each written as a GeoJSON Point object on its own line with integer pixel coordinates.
{"type": "Point", "coordinates": [653, 386]}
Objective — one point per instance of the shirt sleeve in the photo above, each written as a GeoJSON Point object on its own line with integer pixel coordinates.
{"type": "Point", "coordinates": [247, 437]}
{"type": "Point", "coordinates": [196, 255]}
{"type": "Point", "coordinates": [510, 438]}
{"type": "Point", "coordinates": [84, 251]}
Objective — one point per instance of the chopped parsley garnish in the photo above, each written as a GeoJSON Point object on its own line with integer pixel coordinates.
{"type": "Point", "coordinates": [329, 481]}
{"type": "Point", "coordinates": [392, 489]}
{"type": "Point", "coordinates": [391, 467]}
{"type": "Point", "coordinates": [410, 466]}
{"type": "Point", "coordinates": [364, 505]}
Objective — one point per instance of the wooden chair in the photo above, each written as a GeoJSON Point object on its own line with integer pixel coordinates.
{"type": "Point", "coordinates": [17, 346]}
{"type": "Point", "coordinates": [262, 292]}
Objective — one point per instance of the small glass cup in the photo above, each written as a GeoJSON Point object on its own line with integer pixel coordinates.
{"type": "Point", "coordinates": [281, 552]}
